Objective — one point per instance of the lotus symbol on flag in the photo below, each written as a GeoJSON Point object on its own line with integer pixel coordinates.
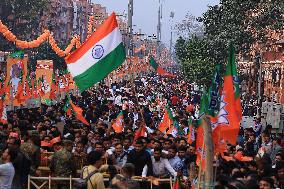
{"type": "Point", "coordinates": [98, 52]}
{"type": "Point", "coordinates": [222, 118]}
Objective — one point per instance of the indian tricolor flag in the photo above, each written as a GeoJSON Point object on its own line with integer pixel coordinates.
{"type": "Point", "coordinates": [102, 52]}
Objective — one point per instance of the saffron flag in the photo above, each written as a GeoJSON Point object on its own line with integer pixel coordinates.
{"type": "Point", "coordinates": [79, 113]}
{"type": "Point", "coordinates": [200, 146]}
{"type": "Point", "coordinates": [119, 123]}
{"type": "Point", "coordinates": [176, 184]}
{"type": "Point", "coordinates": [226, 126]}
{"type": "Point", "coordinates": [102, 53]}
{"type": "Point", "coordinates": [167, 121]}
{"type": "Point", "coordinates": [158, 69]}
{"type": "Point", "coordinates": [236, 82]}
{"type": "Point", "coordinates": [141, 131]}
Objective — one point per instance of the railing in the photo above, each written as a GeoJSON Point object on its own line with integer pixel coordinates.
{"type": "Point", "coordinates": [47, 180]}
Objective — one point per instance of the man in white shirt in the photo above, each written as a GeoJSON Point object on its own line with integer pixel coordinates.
{"type": "Point", "coordinates": [161, 166]}
{"type": "Point", "coordinates": [7, 170]}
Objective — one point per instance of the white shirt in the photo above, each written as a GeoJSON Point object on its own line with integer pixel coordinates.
{"type": "Point", "coordinates": [7, 173]}
{"type": "Point", "coordinates": [161, 167]}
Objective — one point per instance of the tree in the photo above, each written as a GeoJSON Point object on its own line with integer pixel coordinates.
{"type": "Point", "coordinates": [195, 65]}
{"type": "Point", "coordinates": [22, 17]}
{"type": "Point", "coordinates": [188, 27]}
{"type": "Point", "coordinates": [44, 52]}
{"type": "Point", "coordinates": [243, 22]}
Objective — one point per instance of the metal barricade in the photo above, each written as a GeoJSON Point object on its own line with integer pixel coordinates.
{"type": "Point", "coordinates": [48, 180]}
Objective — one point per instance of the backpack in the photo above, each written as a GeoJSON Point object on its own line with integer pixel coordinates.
{"type": "Point", "coordinates": [82, 183]}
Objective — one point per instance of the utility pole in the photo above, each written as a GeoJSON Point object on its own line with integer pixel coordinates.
{"type": "Point", "coordinates": [159, 28]}
{"type": "Point", "coordinates": [130, 32]}
{"type": "Point", "coordinates": [258, 61]}
{"type": "Point", "coordinates": [171, 41]}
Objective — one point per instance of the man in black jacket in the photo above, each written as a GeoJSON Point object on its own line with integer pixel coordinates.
{"type": "Point", "coordinates": [139, 157]}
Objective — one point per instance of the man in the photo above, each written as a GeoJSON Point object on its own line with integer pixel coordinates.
{"type": "Point", "coordinates": [32, 151]}
{"type": "Point", "coordinates": [127, 145]}
{"type": "Point", "coordinates": [80, 156]}
{"type": "Point", "coordinates": [139, 157]}
{"type": "Point", "coordinates": [276, 146]}
{"type": "Point", "coordinates": [7, 170]}
{"type": "Point", "coordinates": [95, 161]}
{"type": "Point", "coordinates": [176, 162]}
{"type": "Point", "coordinates": [191, 153]}
{"type": "Point", "coordinates": [119, 155]}
{"type": "Point", "coordinates": [128, 171]}
{"type": "Point", "coordinates": [266, 183]}
{"type": "Point", "coordinates": [161, 166]}
{"type": "Point", "coordinates": [21, 164]}
{"type": "Point", "coordinates": [278, 158]}
{"type": "Point", "coordinates": [63, 164]}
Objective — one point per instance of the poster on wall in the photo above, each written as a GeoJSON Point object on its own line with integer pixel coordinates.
{"type": "Point", "coordinates": [44, 70]}
{"type": "Point", "coordinates": [16, 74]}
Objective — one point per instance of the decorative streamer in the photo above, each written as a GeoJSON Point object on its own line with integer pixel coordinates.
{"type": "Point", "coordinates": [45, 36]}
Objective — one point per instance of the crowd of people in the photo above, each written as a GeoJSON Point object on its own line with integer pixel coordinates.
{"type": "Point", "coordinates": [92, 152]}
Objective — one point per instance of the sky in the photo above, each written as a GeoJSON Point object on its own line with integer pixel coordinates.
{"type": "Point", "coordinates": [146, 13]}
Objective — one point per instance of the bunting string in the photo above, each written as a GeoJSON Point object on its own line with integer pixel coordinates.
{"type": "Point", "coordinates": [45, 36]}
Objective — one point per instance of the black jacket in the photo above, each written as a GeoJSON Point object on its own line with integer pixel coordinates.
{"type": "Point", "coordinates": [140, 160]}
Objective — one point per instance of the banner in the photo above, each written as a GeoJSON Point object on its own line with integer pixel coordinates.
{"type": "Point", "coordinates": [16, 72]}
{"type": "Point", "coordinates": [44, 70]}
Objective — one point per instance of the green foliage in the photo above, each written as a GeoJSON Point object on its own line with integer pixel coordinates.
{"type": "Point", "coordinates": [22, 17]}
{"type": "Point", "coordinates": [195, 65]}
{"type": "Point", "coordinates": [44, 52]}
{"type": "Point", "coordinates": [243, 22]}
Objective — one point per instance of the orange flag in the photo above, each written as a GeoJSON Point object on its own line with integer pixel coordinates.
{"type": "Point", "coordinates": [45, 144]}
{"type": "Point", "coordinates": [227, 124]}
{"type": "Point", "coordinates": [55, 140]}
{"type": "Point", "coordinates": [167, 121]}
{"type": "Point", "coordinates": [53, 91]}
{"type": "Point", "coordinates": [119, 123]}
{"type": "Point", "coordinates": [79, 113]}
{"type": "Point", "coordinates": [140, 133]}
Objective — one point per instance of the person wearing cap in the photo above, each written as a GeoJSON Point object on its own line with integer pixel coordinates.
{"type": "Point", "coordinates": [62, 163]}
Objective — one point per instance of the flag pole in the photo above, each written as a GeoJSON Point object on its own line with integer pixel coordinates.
{"type": "Point", "coordinates": [200, 165]}
{"type": "Point", "coordinates": [208, 141]}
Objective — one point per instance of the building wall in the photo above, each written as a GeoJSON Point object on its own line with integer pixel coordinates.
{"type": "Point", "coordinates": [58, 18]}
{"type": "Point", "coordinates": [272, 68]}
